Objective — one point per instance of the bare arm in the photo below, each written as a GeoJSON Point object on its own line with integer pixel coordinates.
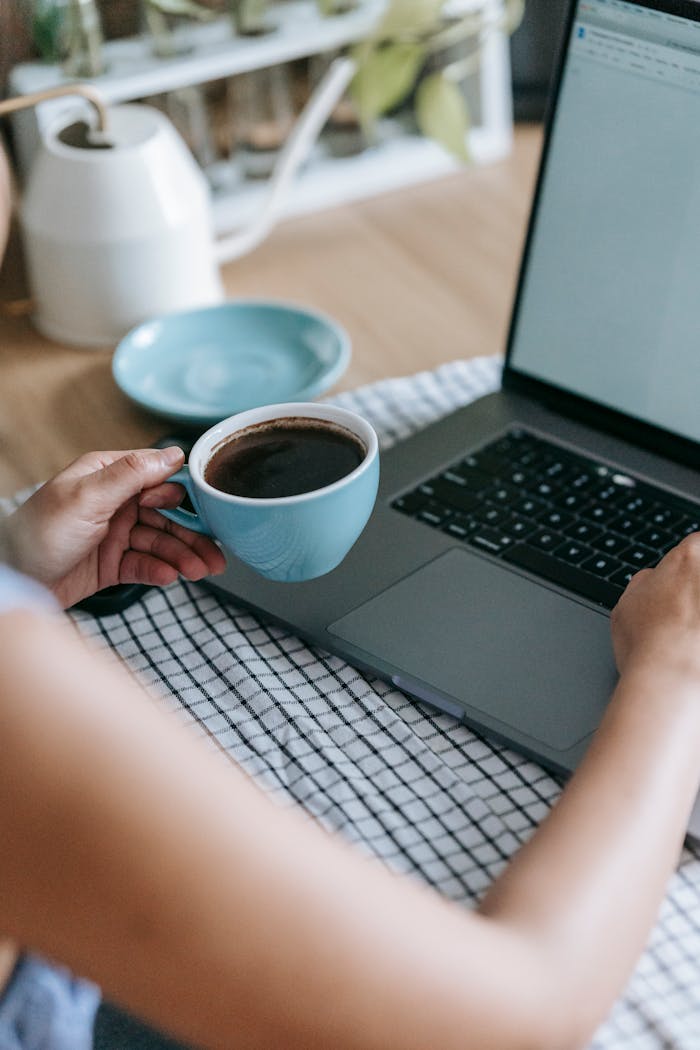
{"type": "Point", "coordinates": [142, 861]}
{"type": "Point", "coordinates": [590, 882]}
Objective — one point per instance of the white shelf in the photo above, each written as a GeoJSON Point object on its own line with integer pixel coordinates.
{"type": "Point", "coordinates": [133, 71]}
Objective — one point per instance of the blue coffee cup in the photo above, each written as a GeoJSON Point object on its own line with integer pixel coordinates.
{"type": "Point", "coordinates": [288, 538]}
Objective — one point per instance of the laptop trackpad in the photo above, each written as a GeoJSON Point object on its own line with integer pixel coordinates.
{"type": "Point", "coordinates": [500, 645]}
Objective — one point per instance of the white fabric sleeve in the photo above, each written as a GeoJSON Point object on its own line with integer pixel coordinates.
{"type": "Point", "coordinates": [20, 592]}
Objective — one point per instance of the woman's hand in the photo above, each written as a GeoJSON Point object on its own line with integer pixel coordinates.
{"type": "Point", "coordinates": [657, 621]}
{"type": "Point", "coordinates": [93, 526]}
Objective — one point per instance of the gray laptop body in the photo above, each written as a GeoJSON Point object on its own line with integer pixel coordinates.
{"type": "Point", "coordinates": [600, 361]}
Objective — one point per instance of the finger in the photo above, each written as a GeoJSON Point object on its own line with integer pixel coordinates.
{"type": "Point", "coordinates": [144, 568]}
{"type": "Point", "coordinates": [201, 545]}
{"type": "Point", "coordinates": [90, 462]}
{"type": "Point", "coordinates": [165, 495]}
{"type": "Point", "coordinates": [108, 488]}
{"type": "Point", "coordinates": [169, 549]}
{"type": "Point", "coordinates": [116, 541]}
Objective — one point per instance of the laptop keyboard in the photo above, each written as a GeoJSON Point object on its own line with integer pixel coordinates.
{"type": "Point", "coordinates": [559, 515]}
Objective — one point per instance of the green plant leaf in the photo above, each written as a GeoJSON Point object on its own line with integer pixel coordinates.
{"type": "Point", "coordinates": [412, 18]}
{"type": "Point", "coordinates": [442, 114]}
{"type": "Point", "coordinates": [384, 77]}
{"type": "Point", "coordinates": [183, 9]}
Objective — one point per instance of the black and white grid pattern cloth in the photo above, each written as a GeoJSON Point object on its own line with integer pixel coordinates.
{"type": "Point", "coordinates": [415, 788]}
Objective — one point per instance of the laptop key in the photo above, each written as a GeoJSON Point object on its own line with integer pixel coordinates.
{"type": "Point", "coordinates": [573, 553]}
{"type": "Point", "coordinates": [515, 439]}
{"type": "Point", "coordinates": [453, 478]}
{"type": "Point", "coordinates": [623, 577]}
{"type": "Point", "coordinates": [519, 477]}
{"type": "Point", "coordinates": [569, 501]}
{"type": "Point", "coordinates": [664, 516]}
{"type": "Point", "coordinates": [531, 458]}
{"type": "Point", "coordinates": [555, 519]}
{"type": "Point", "coordinates": [519, 528]}
{"type": "Point", "coordinates": [609, 543]}
{"type": "Point", "coordinates": [459, 497]}
{"type": "Point", "coordinates": [460, 527]}
{"type": "Point", "coordinates": [655, 537]}
{"type": "Point", "coordinates": [489, 463]}
{"type": "Point", "coordinates": [433, 515]}
{"type": "Point", "coordinates": [626, 525]}
{"type": "Point", "coordinates": [602, 565]}
{"type": "Point", "coordinates": [489, 540]}
{"type": "Point", "coordinates": [490, 514]}
{"type": "Point", "coordinates": [529, 506]}
{"type": "Point", "coordinates": [582, 480]}
{"type": "Point", "coordinates": [602, 513]}
{"type": "Point", "coordinates": [559, 471]}
{"type": "Point", "coordinates": [570, 577]}
{"type": "Point", "coordinates": [545, 489]}
{"type": "Point", "coordinates": [410, 503]}
{"type": "Point", "coordinates": [688, 526]}
{"type": "Point", "coordinates": [546, 540]}
{"type": "Point", "coordinates": [642, 557]}
{"type": "Point", "coordinates": [502, 493]}
{"type": "Point", "coordinates": [635, 505]}
{"type": "Point", "coordinates": [583, 530]}
{"type": "Point", "coordinates": [606, 492]}
{"type": "Point", "coordinates": [475, 480]}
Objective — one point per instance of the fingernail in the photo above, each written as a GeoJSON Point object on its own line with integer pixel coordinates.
{"type": "Point", "coordinates": [173, 455]}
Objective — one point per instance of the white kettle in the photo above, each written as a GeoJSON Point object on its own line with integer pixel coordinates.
{"type": "Point", "coordinates": [117, 225]}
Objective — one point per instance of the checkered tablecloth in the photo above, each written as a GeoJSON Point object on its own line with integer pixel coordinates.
{"type": "Point", "coordinates": [413, 787]}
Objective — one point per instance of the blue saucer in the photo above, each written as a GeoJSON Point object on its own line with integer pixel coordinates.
{"type": "Point", "coordinates": [200, 366]}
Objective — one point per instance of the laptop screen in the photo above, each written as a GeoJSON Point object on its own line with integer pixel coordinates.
{"type": "Point", "coordinates": [609, 303]}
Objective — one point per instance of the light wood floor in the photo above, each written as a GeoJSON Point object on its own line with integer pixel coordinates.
{"type": "Point", "coordinates": [418, 277]}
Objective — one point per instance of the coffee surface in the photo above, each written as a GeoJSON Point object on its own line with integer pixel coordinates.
{"type": "Point", "coordinates": [284, 457]}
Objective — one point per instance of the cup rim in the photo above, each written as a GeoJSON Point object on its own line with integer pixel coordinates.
{"type": "Point", "coordinates": [352, 421]}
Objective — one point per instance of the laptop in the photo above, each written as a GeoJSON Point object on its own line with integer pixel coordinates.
{"type": "Point", "coordinates": [504, 533]}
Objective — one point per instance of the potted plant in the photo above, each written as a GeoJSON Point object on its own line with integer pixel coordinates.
{"type": "Point", "coordinates": [418, 48]}
{"type": "Point", "coordinates": [69, 31]}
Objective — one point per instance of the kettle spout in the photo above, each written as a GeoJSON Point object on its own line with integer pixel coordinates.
{"type": "Point", "coordinates": [323, 100]}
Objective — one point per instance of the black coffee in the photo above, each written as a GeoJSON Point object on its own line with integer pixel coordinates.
{"type": "Point", "coordinates": [284, 457]}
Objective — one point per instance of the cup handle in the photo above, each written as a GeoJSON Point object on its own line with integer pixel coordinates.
{"type": "Point", "coordinates": [185, 517]}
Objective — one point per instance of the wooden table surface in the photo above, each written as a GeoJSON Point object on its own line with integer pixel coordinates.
{"type": "Point", "coordinates": [418, 277]}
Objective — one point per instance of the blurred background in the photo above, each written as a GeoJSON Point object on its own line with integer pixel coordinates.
{"type": "Point", "coordinates": [532, 46]}
{"type": "Point", "coordinates": [170, 53]}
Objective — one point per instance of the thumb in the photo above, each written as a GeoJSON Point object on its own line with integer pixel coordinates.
{"type": "Point", "coordinates": [118, 482]}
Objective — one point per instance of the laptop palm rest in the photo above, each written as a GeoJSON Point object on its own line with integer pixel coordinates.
{"type": "Point", "coordinates": [521, 655]}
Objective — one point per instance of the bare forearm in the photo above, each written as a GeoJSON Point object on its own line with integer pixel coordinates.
{"type": "Point", "coordinates": [133, 856]}
{"type": "Point", "coordinates": [596, 870]}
